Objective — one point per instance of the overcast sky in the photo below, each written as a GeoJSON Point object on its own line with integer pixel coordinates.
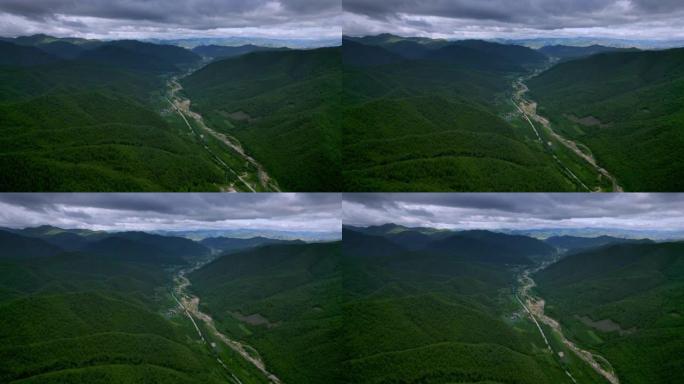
{"type": "Point", "coordinates": [174, 211]}
{"type": "Point", "coordinates": [116, 19]}
{"type": "Point", "coordinates": [517, 210]}
{"type": "Point", "coordinates": [631, 19]}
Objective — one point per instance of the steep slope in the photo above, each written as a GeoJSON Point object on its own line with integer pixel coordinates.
{"type": "Point", "coordinates": [624, 301]}
{"type": "Point", "coordinates": [18, 247]}
{"type": "Point", "coordinates": [142, 247]}
{"type": "Point", "coordinates": [567, 52]}
{"type": "Point", "coordinates": [19, 56]}
{"type": "Point", "coordinates": [285, 301]}
{"type": "Point", "coordinates": [626, 108]}
{"type": "Point", "coordinates": [283, 107]}
{"type": "Point", "coordinates": [485, 56]}
{"type": "Point", "coordinates": [491, 247]}
{"type": "Point", "coordinates": [137, 55]}
{"type": "Point", "coordinates": [574, 243]}
{"type": "Point", "coordinates": [360, 55]}
{"type": "Point", "coordinates": [66, 239]}
{"type": "Point", "coordinates": [172, 246]}
{"type": "Point", "coordinates": [223, 52]}
{"type": "Point", "coordinates": [229, 244]}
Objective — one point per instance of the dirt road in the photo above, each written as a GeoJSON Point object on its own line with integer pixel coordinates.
{"type": "Point", "coordinates": [182, 106]}
{"type": "Point", "coordinates": [535, 308]}
{"type": "Point", "coordinates": [528, 109]}
{"type": "Point", "coordinates": [190, 305]}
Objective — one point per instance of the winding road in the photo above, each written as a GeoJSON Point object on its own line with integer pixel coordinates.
{"type": "Point", "coordinates": [535, 308]}
{"type": "Point", "coordinates": [189, 304]}
{"type": "Point", "coordinates": [528, 109]}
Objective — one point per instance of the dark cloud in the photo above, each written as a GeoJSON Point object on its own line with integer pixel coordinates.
{"type": "Point", "coordinates": [517, 210]}
{"type": "Point", "coordinates": [314, 212]}
{"type": "Point", "coordinates": [516, 18]}
{"type": "Point", "coordinates": [172, 18]}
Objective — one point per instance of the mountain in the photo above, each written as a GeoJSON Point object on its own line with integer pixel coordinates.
{"type": "Point", "coordinates": [360, 244]}
{"type": "Point", "coordinates": [625, 302]}
{"type": "Point", "coordinates": [20, 56]}
{"type": "Point", "coordinates": [360, 55]}
{"type": "Point", "coordinates": [625, 108]}
{"type": "Point", "coordinates": [228, 244]}
{"type": "Point", "coordinates": [566, 52]}
{"type": "Point", "coordinates": [439, 118]}
{"type": "Point", "coordinates": [234, 41]}
{"type": "Point", "coordinates": [516, 54]}
{"type": "Point", "coordinates": [17, 247]}
{"type": "Point", "coordinates": [147, 248]}
{"type": "Point", "coordinates": [492, 247]}
{"type": "Point", "coordinates": [482, 55]}
{"type": "Point", "coordinates": [283, 106]}
{"type": "Point", "coordinates": [411, 238]}
{"type": "Point", "coordinates": [578, 243]}
{"type": "Point", "coordinates": [284, 300]}
{"type": "Point", "coordinates": [222, 51]}
{"type": "Point", "coordinates": [172, 246]}
{"type": "Point", "coordinates": [63, 48]}
{"type": "Point", "coordinates": [137, 55]}
{"type": "Point", "coordinates": [541, 42]}
{"type": "Point", "coordinates": [66, 239]}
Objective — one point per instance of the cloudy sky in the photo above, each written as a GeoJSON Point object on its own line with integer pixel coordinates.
{"type": "Point", "coordinates": [114, 19]}
{"type": "Point", "coordinates": [631, 19]}
{"type": "Point", "coordinates": [517, 210]}
{"type": "Point", "coordinates": [174, 211]}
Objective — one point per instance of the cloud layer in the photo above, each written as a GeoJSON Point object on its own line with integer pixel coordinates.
{"type": "Point", "coordinates": [172, 18]}
{"type": "Point", "coordinates": [635, 19]}
{"type": "Point", "coordinates": [517, 210]}
{"type": "Point", "coordinates": [174, 211]}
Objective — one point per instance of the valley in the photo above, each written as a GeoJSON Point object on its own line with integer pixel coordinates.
{"type": "Point", "coordinates": [190, 305]}
{"type": "Point", "coordinates": [493, 289]}
{"type": "Point", "coordinates": [125, 115]}
{"type": "Point", "coordinates": [72, 314]}
{"type": "Point", "coordinates": [534, 306]}
{"type": "Point", "coordinates": [435, 115]}
{"type": "Point", "coordinates": [263, 181]}
{"type": "Point", "coordinates": [528, 109]}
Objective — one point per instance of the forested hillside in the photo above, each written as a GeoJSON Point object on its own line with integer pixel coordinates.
{"type": "Point", "coordinates": [284, 106]}
{"type": "Point", "coordinates": [103, 313]}
{"type": "Point", "coordinates": [436, 317]}
{"type": "Point", "coordinates": [625, 302]}
{"type": "Point", "coordinates": [626, 107]}
{"type": "Point", "coordinates": [94, 121]}
{"type": "Point", "coordinates": [433, 115]}
{"type": "Point", "coordinates": [285, 300]}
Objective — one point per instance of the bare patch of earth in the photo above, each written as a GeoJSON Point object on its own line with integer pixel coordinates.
{"type": "Point", "coordinates": [253, 319]}
{"type": "Point", "coordinates": [604, 325]}
{"type": "Point", "coordinates": [241, 116]}
{"type": "Point", "coordinates": [588, 121]}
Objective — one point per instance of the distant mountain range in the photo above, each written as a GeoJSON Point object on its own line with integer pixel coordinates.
{"type": "Point", "coordinates": [540, 233]}
{"type": "Point", "coordinates": [201, 234]}
{"type": "Point", "coordinates": [173, 247]}
{"type": "Point", "coordinates": [588, 41]}
{"type": "Point", "coordinates": [238, 41]}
